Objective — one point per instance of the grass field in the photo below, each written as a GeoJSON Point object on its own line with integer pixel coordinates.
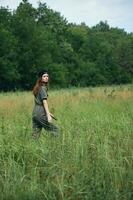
{"type": "Point", "coordinates": [92, 157]}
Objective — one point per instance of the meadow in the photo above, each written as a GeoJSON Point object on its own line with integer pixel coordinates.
{"type": "Point", "coordinates": [92, 157]}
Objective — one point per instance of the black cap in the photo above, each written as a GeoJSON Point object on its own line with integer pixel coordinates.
{"type": "Point", "coordinates": [42, 72]}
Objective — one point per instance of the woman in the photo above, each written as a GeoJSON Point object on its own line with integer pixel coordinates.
{"type": "Point", "coordinates": [41, 116]}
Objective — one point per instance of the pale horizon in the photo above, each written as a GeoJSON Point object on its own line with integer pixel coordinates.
{"type": "Point", "coordinates": [117, 13]}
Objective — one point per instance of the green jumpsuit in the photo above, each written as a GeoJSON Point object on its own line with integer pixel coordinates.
{"type": "Point", "coordinates": [39, 117]}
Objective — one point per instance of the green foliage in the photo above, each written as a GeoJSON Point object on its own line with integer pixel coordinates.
{"type": "Point", "coordinates": [35, 38]}
{"type": "Point", "coordinates": [102, 27]}
{"type": "Point", "coordinates": [59, 75]}
{"type": "Point", "coordinates": [8, 62]}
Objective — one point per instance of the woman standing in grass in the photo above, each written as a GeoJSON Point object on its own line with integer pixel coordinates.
{"type": "Point", "coordinates": [41, 116]}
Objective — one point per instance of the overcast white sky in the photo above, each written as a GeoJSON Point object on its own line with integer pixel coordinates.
{"type": "Point", "coordinates": [118, 13]}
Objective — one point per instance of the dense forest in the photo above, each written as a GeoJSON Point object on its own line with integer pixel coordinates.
{"type": "Point", "coordinates": [74, 54]}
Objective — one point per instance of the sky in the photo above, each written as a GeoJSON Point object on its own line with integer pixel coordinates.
{"type": "Point", "coordinates": [118, 13]}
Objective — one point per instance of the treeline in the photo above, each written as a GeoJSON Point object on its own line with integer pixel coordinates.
{"type": "Point", "coordinates": [75, 55]}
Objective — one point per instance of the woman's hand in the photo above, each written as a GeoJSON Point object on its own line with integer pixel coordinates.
{"type": "Point", "coordinates": [45, 104]}
{"type": "Point", "coordinates": [49, 118]}
{"type": "Point", "coordinates": [51, 115]}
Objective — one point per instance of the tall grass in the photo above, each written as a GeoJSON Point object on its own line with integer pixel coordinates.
{"type": "Point", "coordinates": [90, 160]}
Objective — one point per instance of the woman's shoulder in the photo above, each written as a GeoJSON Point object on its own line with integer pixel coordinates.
{"type": "Point", "coordinates": [43, 89]}
{"type": "Point", "coordinates": [43, 92]}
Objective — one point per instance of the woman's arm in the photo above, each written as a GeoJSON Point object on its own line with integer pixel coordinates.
{"type": "Point", "coordinates": [45, 104]}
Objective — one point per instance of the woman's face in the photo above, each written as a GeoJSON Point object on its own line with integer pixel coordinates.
{"type": "Point", "coordinates": [45, 78]}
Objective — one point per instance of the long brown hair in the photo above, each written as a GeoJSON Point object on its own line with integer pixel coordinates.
{"type": "Point", "coordinates": [38, 85]}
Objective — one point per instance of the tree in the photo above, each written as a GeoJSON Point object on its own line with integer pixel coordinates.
{"type": "Point", "coordinates": [101, 26]}
{"type": "Point", "coordinates": [75, 55]}
{"type": "Point", "coordinates": [9, 75]}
